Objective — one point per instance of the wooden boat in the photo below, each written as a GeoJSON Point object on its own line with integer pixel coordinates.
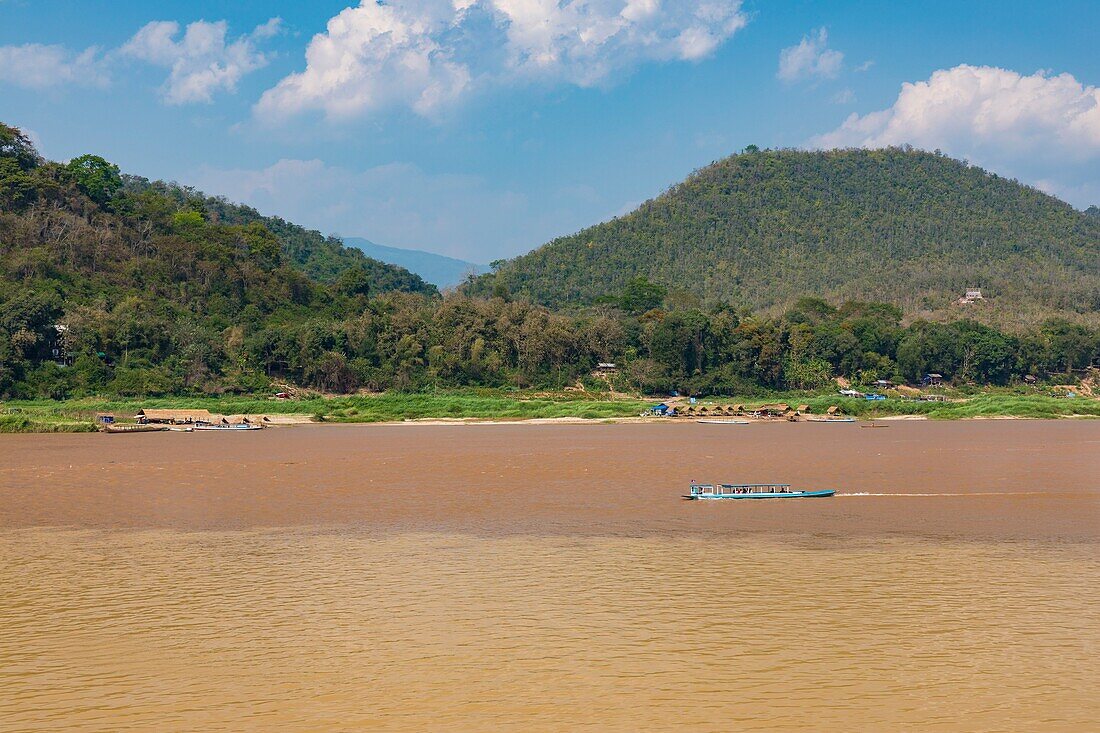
{"type": "Point", "coordinates": [830, 419]}
{"type": "Point", "coordinates": [723, 422]}
{"type": "Point", "coordinates": [242, 426]}
{"type": "Point", "coordinates": [751, 491]}
{"type": "Point", "coordinates": [136, 428]}
{"type": "Point", "coordinates": [873, 425]}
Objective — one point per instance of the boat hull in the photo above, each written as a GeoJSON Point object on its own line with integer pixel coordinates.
{"type": "Point", "coordinates": [764, 495]}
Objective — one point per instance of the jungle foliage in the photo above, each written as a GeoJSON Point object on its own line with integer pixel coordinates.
{"type": "Point", "coordinates": [112, 285]}
{"type": "Point", "coordinates": [764, 228]}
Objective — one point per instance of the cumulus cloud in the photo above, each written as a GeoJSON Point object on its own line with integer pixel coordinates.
{"type": "Point", "coordinates": [424, 54]}
{"type": "Point", "coordinates": [974, 107]}
{"type": "Point", "coordinates": [1043, 128]}
{"type": "Point", "coordinates": [402, 205]}
{"type": "Point", "coordinates": [35, 66]}
{"type": "Point", "coordinates": [812, 57]}
{"type": "Point", "coordinates": [203, 61]}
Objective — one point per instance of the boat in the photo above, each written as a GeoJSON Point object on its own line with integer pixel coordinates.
{"type": "Point", "coordinates": [873, 425]}
{"type": "Point", "coordinates": [242, 426]}
{"type": "Point", "coordinates": [723, 422]}
{"type": "Point", "coordinates": [751, 491]}
{"type": "Point", "coordinates": [133, 428]}
{"type": "Point", "coordinates": [830, 419]}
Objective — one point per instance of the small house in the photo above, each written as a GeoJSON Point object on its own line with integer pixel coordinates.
{"type": "Point", "coordinates": [972, 295]}
{"type": "Point", "coordinates": [662, 410]}
{"type": "Point", "coordinates": [607, 367]}
{"type": "Point", "coordinates": [932, 380]}
{"type": "Point", "coordinates": [851, 393]}
{"type": "Point", "coordinates": [883, 384]}
{"type": "Point", "coordinates": [105, 419]}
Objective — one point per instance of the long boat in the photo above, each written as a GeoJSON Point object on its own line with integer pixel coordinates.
{"type": "Point", "coordinates": [752, 491]}
{"type": "Point", "coordinates": [133, 428]}
{"type": "Point", "coordinates": [241, 426]}
{"type": "Point", "coordinates": [723, 422]}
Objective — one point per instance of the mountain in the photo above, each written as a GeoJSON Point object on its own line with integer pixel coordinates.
{"type": "Point", "coordinates": [1093, 211]}
{"type": "Point", "coordinates": [439, 270]}
{"type": "Point", "coordinates": [322, 258]}
{"type": "Point", "coordinates": [764, 228]}
{"type": "Point", "coordinates": [151, 288]}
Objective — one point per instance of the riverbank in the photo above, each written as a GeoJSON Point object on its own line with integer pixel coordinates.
{"type": "Point", "coordinates": [53, 416]}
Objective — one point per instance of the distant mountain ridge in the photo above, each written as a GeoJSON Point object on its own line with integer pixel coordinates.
{"type": "Point", "coordinates": [764, 228]}
{"type": "Point", "coordinates": [439, 270]}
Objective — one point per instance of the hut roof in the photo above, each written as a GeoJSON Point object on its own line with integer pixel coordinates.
{"type": "Point", "coordinates": [803, 408]}
{"type": "Point", "coordinates": [170, 415]}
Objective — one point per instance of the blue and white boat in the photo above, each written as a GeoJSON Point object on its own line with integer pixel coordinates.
{"type": "Point", "coordinates": [752, 491]}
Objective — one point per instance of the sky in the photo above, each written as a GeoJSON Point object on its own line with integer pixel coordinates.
{"type": "Point", "coordinates": [480, 129]}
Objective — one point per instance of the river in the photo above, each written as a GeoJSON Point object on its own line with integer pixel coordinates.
{"type": "Point", "coordinates": [549, 577]}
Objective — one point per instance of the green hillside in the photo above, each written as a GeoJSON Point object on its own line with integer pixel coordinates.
{"type": "Point", "coordinates": [766, 227]}
{"type": "Point", "coordinates": [322, 258]}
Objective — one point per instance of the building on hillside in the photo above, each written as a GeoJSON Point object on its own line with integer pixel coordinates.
{"type": "Point", "coordinates": [932, 380]}
{"type": "Point", "coordinates": [972, 295]}
{"type": "Point", "coordinates": [607, 367]}
{"type": "Point", "coordinates": [174, 417]}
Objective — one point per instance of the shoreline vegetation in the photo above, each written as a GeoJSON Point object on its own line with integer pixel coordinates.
{"type": "Point", "coordinates": [78, 415]}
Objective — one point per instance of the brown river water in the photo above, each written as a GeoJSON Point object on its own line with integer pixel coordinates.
{"type": "Point", "coordinates": [549, 578]}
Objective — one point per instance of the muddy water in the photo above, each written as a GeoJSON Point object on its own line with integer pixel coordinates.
{"type": "Point", "coordinates": [547, 578]}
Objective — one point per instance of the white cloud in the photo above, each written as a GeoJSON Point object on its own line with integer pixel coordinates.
{"type": "Point", "coordinates": [424, 54]}
{"type": "Point", "coordinates": [974, 107]}
{"type": "Point", "coordinates": [35, 66]}
{"type": "Point", "coordinates": [203, 61]}
{"type": "Point", "coordinates": [811, 57]}
{"type": "Point", "coordinates": [400, 204]}
{"type": "Point", "coordinates": [1042, 128]}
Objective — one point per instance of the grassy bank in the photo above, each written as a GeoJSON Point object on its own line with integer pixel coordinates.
{"type": "Point", "coordinates": [46, 416]}
{"type": "Point", "coordinates": [987, 405]}
{"type": "Point", "coordinates": [79, 415]}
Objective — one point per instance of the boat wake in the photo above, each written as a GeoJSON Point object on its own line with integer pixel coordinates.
{"type": "Point", "coordinates": [972, 493]}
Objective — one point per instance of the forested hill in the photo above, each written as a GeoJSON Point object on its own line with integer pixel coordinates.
{"type": "Point", "coordinates": [764, 228]}
{"type": "Point", "coordinates": [323, 259]}
{"type": "Point", "coordinates": [166, 285]}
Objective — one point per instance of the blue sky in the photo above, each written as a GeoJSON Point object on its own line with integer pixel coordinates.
{"type": "Point", "coordinates": [482, 128]}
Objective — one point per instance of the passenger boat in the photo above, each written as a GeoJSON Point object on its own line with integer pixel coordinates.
{"type": "Point", "coordinates": [830, 419]}
{"type": "Point", "coordinates": [751, 491]}
{"type": "Point", "coordinates": [723, 422]}
{"type": "Point", "coordinates": [133, 428]}
{"type": "Point", "coordinates": [242, 426]}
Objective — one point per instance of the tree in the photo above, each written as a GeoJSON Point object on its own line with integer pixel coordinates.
{"type": "Point", "coordinates": [16, 146]}
{"type": "Point", "coordinates": [640, 295]}
{"type": "Point", "coordinates": [96, 177]}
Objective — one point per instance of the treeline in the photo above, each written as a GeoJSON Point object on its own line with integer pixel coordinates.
{"type": "Point", "coordinates": [898, 225]}
{"type": "Point", "coordinates": [414, 342]}
{"type": "Point", "coordinates": [113, 285]}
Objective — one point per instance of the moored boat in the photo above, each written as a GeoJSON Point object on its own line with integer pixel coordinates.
{"type": "Point", "coordinates": [241, 426]}
{"type": "Point", "coordinates": [752, 491]}
{"type": "Point", "coordinates": [723, 422]}
{"type": "Point", "coordinates": [133, 428]}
